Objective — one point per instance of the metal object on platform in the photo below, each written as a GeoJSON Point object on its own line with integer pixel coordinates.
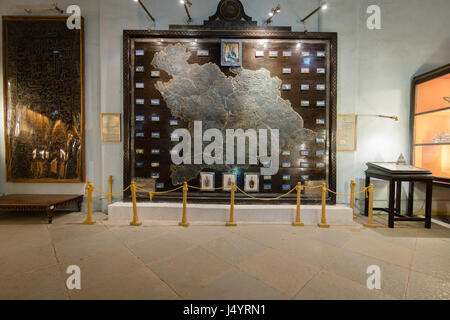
{"type": "Point", "coordinates": [30, 9]}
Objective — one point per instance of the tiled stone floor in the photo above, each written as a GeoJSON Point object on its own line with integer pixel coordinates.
{"type": "Point", "coordinates": [267, 261]}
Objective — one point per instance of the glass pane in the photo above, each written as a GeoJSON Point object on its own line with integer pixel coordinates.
{"type": "Point", "coordinates": [433, 127]}
{"type": "Point", "coordinates": [434, 158]}
{"type": "Point", "coordinates": [431, 95]}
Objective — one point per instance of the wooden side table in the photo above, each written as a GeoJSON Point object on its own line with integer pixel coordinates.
{"type": "Point", "coordinates": [396, 174]}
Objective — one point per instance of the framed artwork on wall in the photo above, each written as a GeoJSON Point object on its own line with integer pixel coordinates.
{"type": "Point", "coordinates": [110, 124]}
{"type": "Point", "coordinates": [43, 91]}
{"type": "Point", "coordinates": [346, 136]}
{"type": "Point", "coordinates": [207, 181]}
{"type": "Point", "coordinates": [231, 53]}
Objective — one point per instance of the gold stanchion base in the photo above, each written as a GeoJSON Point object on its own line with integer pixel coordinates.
{"type": "Point", "coordinates": [89, 223]}
{"type": "Point", "coordinates": [322, 225]}
{"type": "Point", "coordinates": [136, 223]}
{"type": "Point", "coordinates": [298, 224]}
{"type": "Point", "coordinates": [184, 224]}
{"type": "Point", "coordinates": [355, 218]}
{"type": "Point", "coordinates": [370, 225]}
{"type": "Point", "coordinates": [231, 224]}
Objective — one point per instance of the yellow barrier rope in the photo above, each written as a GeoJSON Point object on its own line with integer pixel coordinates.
{"type": "Point", "coordinates": [265, 199]}
{"type": "Point", "coordinates": [344, 194]}
{"type": "Point", "coordinates": [159, 192]}
{"type": "Point", "coordinates": [208, 189]}
{"type": "Point", "coordinates": [108, 193]}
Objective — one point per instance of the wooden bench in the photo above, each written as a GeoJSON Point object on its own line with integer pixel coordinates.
{"type": "Point", "coordinates": [38, 202]}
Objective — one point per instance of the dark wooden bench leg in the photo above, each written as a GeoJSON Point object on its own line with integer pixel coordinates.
{"type": "Point", "coordinates": [50, 214]}
{"type": "Point", "coordinates": [411, 199]}
{"type": "Point", "coordinates": [429, 197]}
{"type": "Point", "coordinates": [80, 202]}
{"type": "Point", "coordinates": [398, 202]}
{"type": "Point", "coordinates": [391, 203]}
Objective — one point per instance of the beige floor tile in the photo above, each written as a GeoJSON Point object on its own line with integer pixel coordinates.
{"type": "Point", "coordinates": [233, 248]}
{"type": "Point", "coordinates": [328, 286]}
{"type": "Point", "coordinates": [425, 287]}
{"type": "Point", "coordinates": [27, 260]}
{"type": "Point", "coordinates": [130, 235]}
{"type": "Point", "coordinates": [202, 234]}
{"type": "Point", "coordinates": [380, 249]}
{"type": "Point", "coordinates": [19, 237]}
{"type": "Point", "coordinates": [278, 270]}
{"type": "Point", "coordinates": [433, 264]}
{"type": "Point", "coordinates": [265, 234]}
{"type": "Point", "coordinates": [190, 270]}
{"type": "Point", "coordinates": [235, 285]}
{"type": "Point", "coordinates": [161, 247]}
{"type": "Point", "coordinates": [73, 231]}
{"type": "Point", "coordinates": [439, 246]}
{"type": "Point", "coordinates": [330, 236]}
{"type": "Point", "coordinates": [141, 284]}
{"type": "Point", "coordinates": [41, 284]}
{"type": "Point", "coordinates": [354, 266]}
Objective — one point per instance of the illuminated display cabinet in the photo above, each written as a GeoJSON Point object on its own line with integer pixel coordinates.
{"type": "Point", "coordinates": [430, 123]}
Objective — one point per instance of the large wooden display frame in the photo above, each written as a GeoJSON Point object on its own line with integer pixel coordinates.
{"type": "Point", "coordinates": [134, 37]}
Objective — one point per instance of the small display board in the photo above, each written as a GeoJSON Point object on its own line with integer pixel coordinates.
{"type": "Point", "coordinates": [347, 126]}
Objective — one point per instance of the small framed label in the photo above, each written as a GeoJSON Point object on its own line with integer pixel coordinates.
{"type": "Point", "coordinates": [305, 177]}
{"type": "Point", "coordinates": [155, 164]}
{"type": "Point", "coordinates": [139, 151]}
{"type": "Point", "coordinates": [287, 177]}
{"type": "Point", "coordinates": [203, 53]}
{"type": "Point", "coordinates": [267, 164]}
{"type": "Point", "coordinates": [304, 152]}
{"type": "Point", "coordinates": [320, 121]}
{"type": "Point", "coordinates": [155, 118]}
{"type": "Point", "coordinates": [140, 164]}
{"type": "Point", "coordinates": [320, 140]}
{"type": "Point", "coordinates": [140, 101]}
{"type": "Point", "coordinates": [320, 87]}
{"type": "Point", "coordinates": [305, 53]}
{"type": "Point", "coordinates": [156, 135]}
{"type": "Point", "coordinates": [305, 87]}
{"type": "Point", "coordinates": [139, 52]}
{"type": "Point", "coordinates": [140, 118]}
{"type": "Point", "coordinates": [286, 87]}
{"type": "Point", "coordinates": [287, 70]}
{"type": "Point", "coordinates": [267, 187]}
{"type": "Point", "coordinates": [155, 74]}
{"type": "Point", "coordinates": [321, 53]}
{"type": "Point", "coordinates": [139, 85]}
{"type": "Point", "coordinates": [259, 54]}
{"type": "Point", "coordinates": [140, 134]}
{"type": "Point", "coordinates": [155, 102]}
{"type": "Point", "coordinates": [286, 164]}
{"type": "Point", "coordinates": [286, 153]}
{"type": "Point", "coordinates": [287, 53]}
{"type": "Point", "coordinates": [173, 123]}
{"type": "Point", "coordinates": [320, 165]}
{"type": "Point", "coordinates": [267, 178]}
{"type": "Point", "coordinates": [305, 70]}
{"type": "Point", "coordinates": [286, 187]}
{"type": "Point", "coordinates": [320, 70]}
{"type": "Point", "coordinates": [140, 69]}
{"type": "Point", "coordinates": [173, 136]}
{"type": "Point", "coordinates": [320, 103]}
{"type": "Point", "coordinates": [156, 151]}
{"type": "Point", "coordinates": [273, 54]}
{"type": "Point", "coordinates": [304, 165]}
{"type": "Point", "coordinates": [155, 175]}
{"type": "Point", "coordinates": [320, 153]}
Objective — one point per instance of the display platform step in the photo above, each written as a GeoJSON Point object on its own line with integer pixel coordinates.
{"type": "Point", "coordinates": [310, 214]}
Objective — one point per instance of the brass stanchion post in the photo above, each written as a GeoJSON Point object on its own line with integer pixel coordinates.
{"type": "Point", "coordinates": [184, 222]}
{"type": "Point", "coordinates": [89, 190]}
{"type": "Point", "coordinates": [370, 223]}
{"type": "Point", "coordinates": [298, 222]}
{"type": "Point", "coordinates": [323, 222]}
{"type": "Point", "coordinates": [231, 223]}
{"type": "Point", "coordinates": [352, 197]}
{"type": "Point", "coordinates": [135, 221]}
{"type": "Point", "coordinates": [110, 184]}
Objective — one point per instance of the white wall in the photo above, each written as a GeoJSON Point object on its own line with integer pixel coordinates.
{"type": "Point", "coordinates": [375, 71]}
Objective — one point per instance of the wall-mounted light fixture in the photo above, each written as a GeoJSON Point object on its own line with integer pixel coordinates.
{"type": "Point", "coordinates": [145, 9]}
{"type": "Point", "coordinates": [273, 13]}
{"type": "Point", "coordinates": [30, 9]}
{"type": "Point", "coordinates": [395, 118]}
{"type": "Point", "coordinates": [186, 4]}
{"type": "Point", "coordinates": [323, 6]}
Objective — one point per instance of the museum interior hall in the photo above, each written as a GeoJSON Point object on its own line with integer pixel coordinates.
{"type": "Point", "coordinates": [225, 150]}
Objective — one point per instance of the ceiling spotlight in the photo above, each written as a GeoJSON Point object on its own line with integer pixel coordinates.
{"type": "Point", "coordinates": [324, 6]}
{"type": "Point", "coordinates": [272, 13]}
{"type": "Point", "coordinates": [187, 3]}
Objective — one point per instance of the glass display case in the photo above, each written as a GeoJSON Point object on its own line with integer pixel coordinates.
{"type": "Point", "coordinates": [430, 123]}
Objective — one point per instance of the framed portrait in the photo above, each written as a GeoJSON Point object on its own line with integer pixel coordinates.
{"type": "Point", "coordinates": [43, 77]}
{"type": "Point", "coordinates": [228, 180]}
{"type": "Point", "coordinates": [231, 53]}
{"type": "Point", "coordinates": [207, 181]}
{"type": "Point", "coordinates": [251, 182]}
{"type": "Point", "coordinates": [111, 127]}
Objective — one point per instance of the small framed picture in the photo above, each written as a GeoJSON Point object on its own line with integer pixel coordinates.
{"type": "Point", "coordinates": [140, 134]}
{"type": "Point", "coordinates": [320, 140]}
{"type": "Point", "coordinates": [231, 53]}
{"type": "Point", "coordinates": [320, 87]}
{"type": "Point", "coordinates": [287, 177]}
{"type": "Point", "coordinates": [156, 151]}
{"type": "Point", "coordinates": [320, 165]}
{"type": "Point", "coordinates": [267, 187]}
{"type": "Point", "coordinates": [305, 53]}
{"type": "Point", "coordinates": [304, 153]}
{"type": "Point", "coordinates": [155, 74]}
{"type": "Point", "coordinates": [251, 182]}
{"type": "Point", "coordinates": [139, 52]}
{"type": "Point", "coordinates": [304, 165]}
{"type": "Point", "coordinates": [155, 102]}
{"type": "Point", "coordinates": [259, 54]}
{"type": "Point", "coordinates": [139, 85]}
{"type": "Point", "coordinates": [156, 135]}
{"type": "Point", "coordinates": [321, 53]}
{"type": "Point", "coordinates": [267, 178]}
{"type": "Point", "coordinates": [305, 103]}
{"type": "Point", "coordinates": [266, 164]}
{"type": "Point", "coordinates": [307, 61]}
{"type": "Point", "coordinates": [173, 152]}
{"type": "Point", "coordinates": [287, 70]}
{"type": "Point", "coordinates": [140, 164]}
{"type": "Point", "coordinates": [320, 153]}
{"type": "Point", "coordinates": [140, 69]}
{"type": "Point", "coordinates": [286, 87]}
{"type": "Point", "coordinates": [140, 118]}
{"type": "Point", "coordinates": [305, 177]}
{"type": "Point", "coordinates": [228, 180]}
{"type": "Point", "coordinates": [305, 87]}
{"type": "Point", "coordinates": [207, 181]}
{"type": "Point", "coordinates": [173, 123]}
{"type": "Point", "coordinates": [320, 103]}
{"type": "Point", "coordinates": [174, 136]}
{"type": "Point", "coordinates": [155, 118]}
{"type": "Point", "coordinates": [305, 70]}
{"type": "Point", "coordinates": [286, 187]}
{"type": "Point", "coordinates": [155, 175]}
{"type": "Point", "coordinates": [320, 70]}
{"type": "Point", "coordinates": [160, 185]}
{"type": "Point", "coordinates": [286, 153]}
{"type": "Point", "coordinates": [140, 101]}
{"type": "Point", "coordinates": [286, 164]}
{"type": "Point", "coordinates": [320, 121]}
{"type": "Point", "coordinates": [139, 151]}
{"type": "Point", "coordinates": [203, 53]}
{"type": "Point", "coordinates": [273, 54]}
{"type": "Point", "coordinates": [155, 164]}
{"type": "Point", "coordinates": [287, 53]}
